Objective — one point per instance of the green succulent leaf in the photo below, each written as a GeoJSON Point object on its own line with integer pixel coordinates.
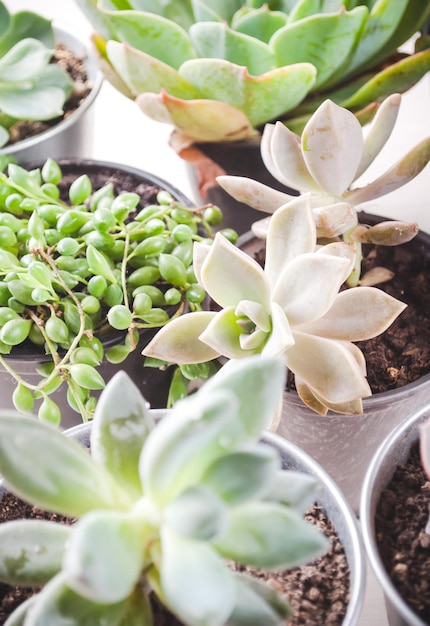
{"type": "Point", "coordinates": [22, 25]}
{"type": "Point", "coordinates": [268, 535]}
{"type": "Point", "coordinates": [104, 556]}
{"type": "Point", "coordinates": [323, 40]}
{"type": "Point", "coordinates": [86, 376]}
{"type": "Point", "coordinates": [50, 470]}
{"type": "Point", "coordinates": [58, 604]}
{"type": "Point", "coordinates": [217, 40]}
{"type": "Point", "coordinates": [219, 10]}
{"type": "Point", "coordinates": [31, 551]}
{"type": "Point", "coordinates": [259, 23]}
{"type": "Point", "coordinates": [197, 513]}
{"type": "Point", "coordinates": [99, 263]}
{"type": "Point", "coordinates": [296, 489]}
{"type": "Point", "coordinates": [25, 60]}
{"type": "Point", "coordinates": [257, 603]}
{"type": "Point", "coordinates": [121, 424]}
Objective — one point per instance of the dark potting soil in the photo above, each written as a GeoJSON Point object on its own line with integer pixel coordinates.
{"type": "Point", "coordinates": [401, 354]}
{"type": "Point", "coordinates": [318, 592]}
{"type": "Point", "coordinates": [75, 67]}
{"type": "Point", "coordinates": [401, 517]}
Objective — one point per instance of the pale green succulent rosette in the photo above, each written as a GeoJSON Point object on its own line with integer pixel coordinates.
{"type": "Point", "coordinates": [292, 308]}
{"type": "Point", "coordinates": [191, 64]}
{"type": "Point", "coordinates": [159, 507]}
{"type": "Point", "coordinates": [31, 88]}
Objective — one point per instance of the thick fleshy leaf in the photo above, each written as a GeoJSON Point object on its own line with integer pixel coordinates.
{"type": "Point", "coordinates": [296, 489]}
{"type": "Point", "coordinates": [254, 312]}
{"type": "Point", "coordinates": [57, 604]}
{"type": "Point", "coordinates": [144, 73]}
{"type": "Point", "coordinates": [257, 603]}
{"type": "Point", "coordinates": [50, 470]}
{"type": "Point", "coordinates": [242, 475]}
{"type": "Point", "coordinates": [200, 252]}
{"type": "Point", "coordinates": [120, 426]}
{"type": "Point", "coordinates": [335, 33]}
{"type": "Point", "coordinates": [379, 131]}
{"type": "Point", "coordinates": [178, 341]}
{"type": "Point", "coordinates": [31, 551]}
{"type": "Point", "coordinates": [328, 367]}
{"type": "Point", "coordinates": [218, 40]}
{"type": "Point", "coordinates": [196, 513]}
{"type": "Point", "coordinates": [24, 61]}
{"type": "Point", "coordinates": [223, 335]}
{"type": "Point", "coordinates": [286, 155]}
{"type": "Point", "coordinates": [195, 581]}
{"type": "Point", "coordinates": [385, 233]}
{"type": "Point", "coordinates": [425, 446]}
{"type": "Point", "coordinates": [229, 275]}
{"type": "Point", "coordinates": [33, 103]}
{"type": "Point", "coordinates": [291, 233]}
{"type": "Point", "coordinates": [105, 556]}
{"type": "Point", "coordinates": [308, 285]}
{"type": "Point", "coordinates": [265, 534]}
{"type": "Point", "coordinates": [332, 144]}
{"type": "Point", "coordinates": [200, 120]}
{"type": "Point", "coordinates": [159, 37]}
{"type": "Point", "coordinates": [253, 193]}
{"type": "Point", "coordinates": [321, 406]}
{"type": "Point", "coordinates": [21, 25]}
{"type": "Point", "coordinates": [261, 98]}
{"type": "Point", "coordinates": [281, 338]}
{"type": "Point", "coordinates": [335, 219]}
{"type": "Point", "coordinates": [398, 175]}
{"type": "Point", "coordinates": [261, 380]}
{"type": "Point", "coordinates": [357, 314]}
{"type": "Point", "coordinates": [260, 23]}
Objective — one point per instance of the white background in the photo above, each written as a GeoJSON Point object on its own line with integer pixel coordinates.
{"type": "Point", "coordinates": [123, 134]}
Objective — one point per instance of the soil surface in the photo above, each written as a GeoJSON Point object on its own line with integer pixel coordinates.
{"type": "Point", "coordinates": [318, 592]}
{"type": "Point", "coordinates": [404, 545]}
{"type": "Point", "coordinates": [82, 86]}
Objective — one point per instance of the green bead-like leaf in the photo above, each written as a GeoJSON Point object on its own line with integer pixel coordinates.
{"type": "Point", "coordinates": [49, 412]}
{"type": "Point", "coordinates": [99, 264]}
{"type": "Point", "coordinates": [172, 270]}
{"type": "Point", "coordinates": [80, 189]}
{"type": "Point", "coordinates": [46, 468]}
{"type": "Point", "coordinates": [23, 399]}
{"type": "Point", "coordinates": [15, 331]}
{"type": "Point", "coordinates": [86, 376]}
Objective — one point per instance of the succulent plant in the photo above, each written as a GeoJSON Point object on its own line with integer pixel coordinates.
{"type": "Point", "coordinates": [219, 70]}
{"type": "Point", "coordinates": [73, 269]}
{"type": "Point", "coordinates": [325, 161]}
{"type": "Point", "coordinates": [159, 508]}
{"type": "Point", "coordinates": [291, 308]}
{"type": "Point", "coordinates": [31, 87]}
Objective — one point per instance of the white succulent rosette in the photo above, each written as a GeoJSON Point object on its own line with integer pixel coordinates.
{"type": "Point", "coordinates": [292, 308]}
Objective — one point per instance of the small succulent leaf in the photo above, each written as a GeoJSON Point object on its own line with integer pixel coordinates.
{"type": "Point", "coordinates": [200, 252]}
{"type": "Point", "coordinates": [242, 475]}
{"type": "Point", "coordinates": [57, 604]}
{"type": "Point", "coordinates": [100, 51]}
{"type": "Point", "coordinates": [86, 376]}
{"type": "Point", "coordinates": [261, 380]}
{"type": "Point", "coordinates": [307, 287]}
{"type": "Point", "coordinates": [335, 33]}
{"type": "Point", "coordinates": [380, 25]}
{"type": "Point", "coordinates": [196, 513]}
{"type": "Point", "coordinates": [332, 145]}
{"type": "Point", "coordinates": [291, 233]}
{"type": "Point", "coordinates": [396, 78]}
{"type": "Point", "coordinates": [253, 193]}
{"type": "Point", "coordinates": [34, 103]}
{"type": "Point", "coordinates": [295, 489]}
{"type": "Point", "coordinates": [104, 556]}
{"type": "Point", "coordinates": [178, 341]}
{"type": "Point", "coordinates": [143, 73]}
{"type": "Point", "coordinates": [229, 275]}
{"type": "Point", "coordinates": [260, 23]}
{"type": "Point", "coordinates": [357, 314]}
{"type": "Point", "coordinates": [398, 175]}
{"type": "Point", "coordinates": [266, 534]}
{"type": "Point", "coordinates": [281, 338]}
{"type": "Point", "coordinates": [379, 131]}
{"type": "Point", "coordinates": [305, 8]}
{"type": "Point", "coordinates": [425, 446]}
{"type": "Point", "coordinates": [25, 60]}
{"type": "Point", "coordinates": [322, 406]}
{"type": "Point", "coordinates": [199, 120]}
{"type": "Point", "coordinates": [55, 76]}
{"type": "Point", "coordinates": [220, 10]}
{"type": "Point", "coordinates": [286, 162]}
{"type": "Point", "coordinates": [262, 97]}
{"type": "Point", "coordinates": [99, 264]}
{"type": "Point", "coordinates": [195, 581]}
{"type": "Point", "coordinates": [334, 219]}
{"type": "Point", "coordinates": [153, 34]}
{"type": "Point", "coordinates": [328, 367]}
{"type": "Point", "coordinates": [386, 233]}
{"type": "Point", "coordinates": [224, 335]}
{"type": "Point", "coordinates": [50, 470]}
{"type": "Point", "coordinates": [31, 551]}
{"type": "Point", "coordinates": [254, 312]}
{"type": "Point", "coordinates": [309, 398]}
{"type": "Point", "coordinates": [178, 451]}
{"type": "Point", "coordinates": [4, 138]}
{"type": "Point", "coordinates": [257, 603]}
{"type": "Point", "coordinates": [22, 25]}
{"type": "Point", "coordinates": [121, 424]}
{"type": "Point", "coordinates": [218, 40]}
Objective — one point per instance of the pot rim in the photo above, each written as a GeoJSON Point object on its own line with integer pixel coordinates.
{"type": "Point", "coordinates": [332, 498]}
{"type": "Point", "coordinates": [393, 449]}
{"type": "Point", "coordinates": [63, 31]}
